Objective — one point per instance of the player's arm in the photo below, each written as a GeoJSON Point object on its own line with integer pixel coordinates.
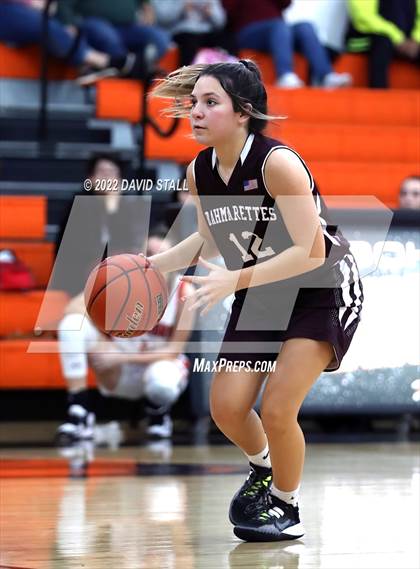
{"type": "Point", "coordinates": [172, 349]}
{"type": "Point", "coordinates": [102, 362]}
{"type": "Point", "coordinates": [187, 252]}
{"type": "Point", "coordinates": [179, 338]}
{"type": "Point", "coordinates": [183, 327]}
{"type": "Point", "coordinates": [288, 183]}
{"type": "Point", "coordinates": [105, 361]}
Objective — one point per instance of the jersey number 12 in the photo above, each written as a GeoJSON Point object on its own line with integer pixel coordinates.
{"type": "Point", "coordinates": [256, 252]}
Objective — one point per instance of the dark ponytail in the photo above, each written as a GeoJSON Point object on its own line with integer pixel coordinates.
{"type": "Point", "coordinates": [241, 80]}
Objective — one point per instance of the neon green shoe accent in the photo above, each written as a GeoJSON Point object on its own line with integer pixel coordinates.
{"type": "Point", "coordinates": [264, 516]}
{"type": "Point", "coordinates": [256, 488]}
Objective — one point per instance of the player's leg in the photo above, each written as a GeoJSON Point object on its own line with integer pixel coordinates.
{"type": "Point", "coordinates": [75, 335]}
{"type": "Point", "coordinates": [160, 384]}
{"type": "Point", "coordinates": [163, 383]}
{"type": "Point", "coordinates": [299, 364]}
{"type": "Point", "coordinates": [232, 398]}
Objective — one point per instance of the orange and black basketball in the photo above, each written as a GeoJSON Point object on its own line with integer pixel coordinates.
{"type": "Point", "coordinates": [126, 295]}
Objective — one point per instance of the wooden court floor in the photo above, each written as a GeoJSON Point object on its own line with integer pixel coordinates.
{"type": "Point", "coordinates": [360, 506]}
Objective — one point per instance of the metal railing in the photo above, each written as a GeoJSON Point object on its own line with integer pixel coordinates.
{"type": "Point", "coordinates": [43, 77]}
{"type": "Point", "coordinates": [146, 119]}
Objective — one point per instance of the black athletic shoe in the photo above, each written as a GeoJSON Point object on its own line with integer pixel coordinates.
{"type": "Point", "coordinates": [78, 427]}
{"type": "Point", "coordinates": [118, 67]}
{"type": "Point", "coordinates": [273, 520]}
{"type": "Point", "coordinates": [250, 494]}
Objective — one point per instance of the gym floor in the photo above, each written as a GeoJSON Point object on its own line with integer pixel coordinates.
{"type": "Point", "coordinates": [162, 506]}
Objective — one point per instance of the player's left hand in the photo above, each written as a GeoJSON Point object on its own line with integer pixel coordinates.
{"type": "Point", "coordinates": [217, 285]}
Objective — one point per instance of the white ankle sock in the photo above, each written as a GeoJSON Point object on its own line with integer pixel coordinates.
{"type": "Point", "coordinates": [288, 497]}
{"type": "Point", "coordinates": [262, 458]}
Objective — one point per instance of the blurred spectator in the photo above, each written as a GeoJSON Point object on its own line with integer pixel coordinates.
{"type": "Point", "coordinates": [330, 20]}
{"type": "Point", "coordinates": [193, 24]}
{"type": "Point", "coordinates": [123, 29]}
{"type": "Point", "coordinates": [385, 30]}
{"type": "Point", "coordinates": [181, 215]}
{"type": "Point", "coordinates": [21, 24]}
{"type": "Point", "coordinates": [151, 367]}
{"type": "Point", "coordinates": [103, 222]}
{"type": "Point", "coordinates": [262, 27]}
{"type": "Point", "coordinates": [410, 193]}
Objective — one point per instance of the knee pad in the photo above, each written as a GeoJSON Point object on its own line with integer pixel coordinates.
{"type": "Point", "coordinates": [164, 381]}
{"type": "Point", "coordinates": [76, 334]}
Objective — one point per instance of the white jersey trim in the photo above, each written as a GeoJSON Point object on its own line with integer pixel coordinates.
{"type": "Point", "coordinates": [244, 153]}
{"type": "Point", "coordinates": [193, 171]}
{"type": "Point", "coordinates": [351, 292]}
{"type": "Point", "coordinates": [316, 196]}
{"type": "Point", "coordinates": [247, 147]}
{"type": "Point", "coordinates": [311, 180]}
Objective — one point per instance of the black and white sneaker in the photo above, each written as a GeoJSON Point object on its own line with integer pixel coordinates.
{"type": "Point", "coordinates": [78, 427]}
{"type": "Point", "coordinates": [250, 494]}
{"type": "Point", "coordinates": [118, 67]}
{"type": "Point", "coordinates": [160, 426]}
{"type": "Point", "coordinates": [273, 520]}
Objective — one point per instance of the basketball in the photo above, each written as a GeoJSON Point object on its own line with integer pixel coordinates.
{"type": "Point", "coordinates": [125, 295]}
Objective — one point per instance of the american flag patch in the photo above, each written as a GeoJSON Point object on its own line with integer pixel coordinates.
{"type": "Point", "coordinates": [250, 185]}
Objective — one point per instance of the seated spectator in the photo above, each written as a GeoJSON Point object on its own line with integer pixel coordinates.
{"type": "Point", "coordinates": [262, 27]}
{"type": "Point", "coordinates": [21, 24]}
{"type": "Point", "coordinates": [193, 24]}
{"type": "Point", "coordinates": [329, 19]}
{"type": "Point", "coordinates": [123, 29]}
{"type": "Point", "coordinates": [150, 367]}
{"type": "Point", "coordinates": [384, 30]}
{"type": "Point", "coordinates": [409, 197]}
{"type": "Point", "coordinates": [98, 223]}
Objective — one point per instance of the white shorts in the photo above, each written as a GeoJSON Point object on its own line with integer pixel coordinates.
{"type": "Point", "coordinates": [164, 379]}
{"type": "Point", "coordinates": [161, 380]}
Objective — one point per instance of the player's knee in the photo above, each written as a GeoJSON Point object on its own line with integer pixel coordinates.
{"type": "Point", "coordinates": [75, 332]}
{"type": "Point", "coordinates": [66, 329]}
{"type": "Point", "coordinates": [220, 416]}
{"type": "Point", "coordinates": [71, 350]}
{"type": "Point", "coordinates": [226, 412]}
{"type": "Point", "coordinates": [276, 417]}
{"type": "Point", "coordinates": [164, 381]}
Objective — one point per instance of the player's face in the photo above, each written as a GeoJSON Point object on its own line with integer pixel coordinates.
{"type": "Point", "coordinates": [213, 119]}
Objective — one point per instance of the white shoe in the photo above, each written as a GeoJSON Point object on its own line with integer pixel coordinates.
{"type": "Point", "coordinates": [289, 81]}
{"type": "Point", "coordinates": [160, 427]}
{"type": "Point", "coordinates": [160, 448]}
{"type": "Point", "coordinates": [110, 435]}
{"type": "Point", "coordinates": [335, 80]}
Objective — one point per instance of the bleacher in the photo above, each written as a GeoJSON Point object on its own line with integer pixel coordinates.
{"type": "Point", "coordinates": [357, 142]}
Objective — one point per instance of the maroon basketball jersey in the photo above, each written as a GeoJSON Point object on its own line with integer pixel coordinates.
{"type": "Point", "coordinates": [248, 228]}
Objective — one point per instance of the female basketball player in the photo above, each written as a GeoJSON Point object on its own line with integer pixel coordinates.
{"type": "Point", "coordinates": [295, 282]}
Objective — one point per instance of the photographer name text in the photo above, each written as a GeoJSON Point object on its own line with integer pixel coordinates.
{"type": "Point", "coordinates": [135, 185]}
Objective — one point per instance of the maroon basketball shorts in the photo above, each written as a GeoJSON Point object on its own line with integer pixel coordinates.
{"type": "Point", "coordinates": [334, 325]}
